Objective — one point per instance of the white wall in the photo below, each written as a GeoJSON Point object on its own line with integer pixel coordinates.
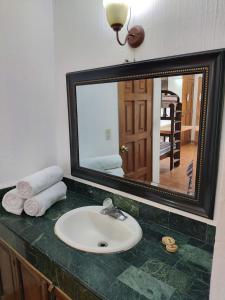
{"type": "Point", "coordinates": [175, 84]}
{"type": "Point", "coordinates": [157, 96]}
{"type": "Point", "coordinates": [97, 109]}
{"type": "Point", "coordinates": [195, 104]}
{"type": "Point", "coordinates": [27, 103]}
{"type": "Point", "coordinates": [217, 288]}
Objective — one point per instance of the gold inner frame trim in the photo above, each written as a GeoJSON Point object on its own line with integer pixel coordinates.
{"type": "Point", "coordinates": [197, 70]}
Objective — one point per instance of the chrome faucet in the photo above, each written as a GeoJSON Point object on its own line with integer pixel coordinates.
{"type": "Point", "coordinates": [110, 210]}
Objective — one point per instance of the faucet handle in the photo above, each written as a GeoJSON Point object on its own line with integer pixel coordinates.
{"type": "Point", "coordinates": [108, 203]}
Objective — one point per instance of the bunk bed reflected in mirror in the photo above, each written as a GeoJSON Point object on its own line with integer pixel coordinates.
{"type": "Point", "coordinates": [179, 132]}
{"type": "Point", "coordinates": [150, 128]}
{"type": "Point", "coordinates": [143, 132]}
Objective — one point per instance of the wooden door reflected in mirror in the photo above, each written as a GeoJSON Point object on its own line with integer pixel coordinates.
{"type": "Point", "coordinates": [135, 128]}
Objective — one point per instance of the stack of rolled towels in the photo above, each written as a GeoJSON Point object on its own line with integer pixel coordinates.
{"type": "Point", "coordinates": [36, 193]}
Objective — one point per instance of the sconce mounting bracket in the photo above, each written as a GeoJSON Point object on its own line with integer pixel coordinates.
{"type": "Point", "coordinates": [136, 36]}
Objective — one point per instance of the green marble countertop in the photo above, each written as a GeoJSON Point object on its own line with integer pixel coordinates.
{"type": "Point", "coordinates": [146, 272]}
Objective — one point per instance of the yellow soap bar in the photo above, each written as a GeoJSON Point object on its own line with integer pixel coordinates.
{"type": "Point", "coordinates": [167, 240]}
{"type": "Point", "coordinates": [171, 248]}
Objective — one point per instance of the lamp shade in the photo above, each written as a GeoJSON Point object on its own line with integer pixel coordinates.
{"type": "Point", "coordinates": [116, 13]}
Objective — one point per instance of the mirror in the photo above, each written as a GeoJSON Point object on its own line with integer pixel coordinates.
{"type": "Point", "coordinates": [144, 130]}
{"type": "Point", "coordinates": [150, 128]}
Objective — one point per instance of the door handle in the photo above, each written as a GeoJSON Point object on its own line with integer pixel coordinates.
{"type": "Point", "coordinates": [51, 289]}
{"type": "Point", "coordinates": [124, 149]}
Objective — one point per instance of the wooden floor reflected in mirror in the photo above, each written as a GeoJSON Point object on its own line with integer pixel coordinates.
{"type": "Point", "coordinates": [176, 179]}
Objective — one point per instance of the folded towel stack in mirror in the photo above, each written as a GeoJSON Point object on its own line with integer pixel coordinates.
{"type": "Point", "coordinates": [36, 193]}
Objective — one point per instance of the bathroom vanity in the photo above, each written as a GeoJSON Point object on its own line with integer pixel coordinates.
{"type": "Point", "coordinates": [34, 260]}
{"type": "Point", "coordinates": [20, 280]}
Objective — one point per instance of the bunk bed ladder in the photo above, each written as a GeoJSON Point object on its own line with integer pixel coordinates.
{"type": "Point", "coordinates": [177, 136]}
{"type": "Point", "coordinates": [174, 134]}
{"type": "Point", "coordinates": [171, 136]}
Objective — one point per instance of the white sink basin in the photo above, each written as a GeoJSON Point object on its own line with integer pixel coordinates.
{"type": "Point", "coordinates": [88, 230]}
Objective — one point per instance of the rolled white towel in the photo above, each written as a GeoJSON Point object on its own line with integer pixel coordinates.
{"type": "Point", "coordinates": [13, 203]}
{"type": "Point", "coordinates": [101, 163]}
{"type": "Point", "coordinates": [116, 172]}
{"type": "Point", "coordinates": [34, 184]}
{"type": "Point", "coordinates": [37, 205]}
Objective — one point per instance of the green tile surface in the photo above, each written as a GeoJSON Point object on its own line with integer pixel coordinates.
{"type": "Point", "coordinates": [145, 284]}
{"type": "Point", "coordinates": [199, 257]}
{"type": "Point", "coordinates": [172, 276]}
{"type": "Point", "coordinates": [145, 272]}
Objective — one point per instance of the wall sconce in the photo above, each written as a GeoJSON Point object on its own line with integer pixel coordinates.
{"type": "Point", "coordinates": [116, 13]}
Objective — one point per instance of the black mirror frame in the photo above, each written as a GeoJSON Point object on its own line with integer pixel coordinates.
{"type": "Point", "coordinates": [211, 64]}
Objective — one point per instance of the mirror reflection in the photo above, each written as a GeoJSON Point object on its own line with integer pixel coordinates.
{"type": "Point", "coordinates": [144, 130]}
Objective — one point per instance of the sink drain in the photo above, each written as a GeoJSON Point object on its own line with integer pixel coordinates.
{"type": "Point", "coordinates": [102, 244]}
